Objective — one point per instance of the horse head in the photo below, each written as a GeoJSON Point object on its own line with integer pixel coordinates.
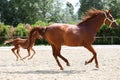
{"type": "Point", "coordinates": [109, 20]}
{"type": "Point", "coordinates": [35, 33]}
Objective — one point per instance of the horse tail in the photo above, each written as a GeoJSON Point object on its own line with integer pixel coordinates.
{"type": "Point", "coordinates": [8, 41]}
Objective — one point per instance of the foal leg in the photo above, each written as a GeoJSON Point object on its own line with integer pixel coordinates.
{"type": "Point", "coordinates": [28, 54]}
{"type": "Point", "coordinates": [33, 54]}
{"type": "Point", "coordinates": [90, 48]}
{"type": "Point", "coordinates": [18, 50]}
{"type": "Point", "coordinates": [13, 50]}
{"type": "Point", "coordinates": [55, 54]}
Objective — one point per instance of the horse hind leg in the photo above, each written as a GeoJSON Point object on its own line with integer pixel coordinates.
{"type": "Point", "coordinates": [18, 50]}
{"type": "Point", "coordinates": [90, 48]}
{"type": "Point", "coordinates": [13, 50]}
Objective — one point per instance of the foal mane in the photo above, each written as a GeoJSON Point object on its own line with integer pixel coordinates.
{"type": "Point", "coordinates": [90, 14]}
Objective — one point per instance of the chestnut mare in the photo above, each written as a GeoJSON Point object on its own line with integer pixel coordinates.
{"type": "Point", "coordinates": [82, 34]}
{"type": "Point", "coordinates": [22, 43]}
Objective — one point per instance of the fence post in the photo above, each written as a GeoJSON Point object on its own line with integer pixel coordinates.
{"type": "Point", "coordinates": [111, 39]}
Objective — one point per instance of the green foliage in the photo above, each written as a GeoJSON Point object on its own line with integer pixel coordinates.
{"type": "Point", "coordinates": [114, 6]}
{"type": "Point", "coordinates": [40, 23]}
{"type": "Point", "coordinates": [18, 11]}
{"type": "Point", "coordinates": [4, 32]}
{"type": "Point", "coordinates": [20, 30]}
{"type": "Point", "coordinates": [118, 30]}
{"type": "Point", "coordinates": [88, 4]}
{"type": "Point", "coordinates": [46, 12]}
{"type": "Point", "coordinates": [13, 12]}
{"type": "Point", "coordinates": [110, 35]}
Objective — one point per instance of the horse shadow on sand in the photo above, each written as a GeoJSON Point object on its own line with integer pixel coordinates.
{"type": "Point", "coordinates": [68, 72]}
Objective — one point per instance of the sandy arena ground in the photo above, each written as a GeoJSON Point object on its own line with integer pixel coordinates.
{"type": "Point", "coordinates": [44, 67]}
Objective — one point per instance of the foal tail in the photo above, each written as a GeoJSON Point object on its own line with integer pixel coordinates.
{"type": "Point", "coordinates": [9, 41]}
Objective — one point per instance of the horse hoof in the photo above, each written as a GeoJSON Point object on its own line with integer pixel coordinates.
{"type": "Point", "coordinates": [61, 69]}
{"type": "Point", "coordinates": [86, 62]}
{"type": "Point", "coordinates": [68, 64]}
{"type": "Point", "coordinates": [29, 58]}
{"type": "Point", "coordinates": [22, 60]}
{"type": "Point", "coordinates": [97, 66]}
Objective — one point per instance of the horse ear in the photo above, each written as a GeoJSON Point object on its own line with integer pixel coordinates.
{"type": "Point", "coordinates": [109, 11]}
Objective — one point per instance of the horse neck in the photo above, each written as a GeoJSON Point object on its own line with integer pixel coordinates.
{"type": "Point", "coordinates": [32, 42]}
{"type": "Point", "coordinates": [93, 24]}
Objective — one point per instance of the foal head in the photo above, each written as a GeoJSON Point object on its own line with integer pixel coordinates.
{"type": "Point", "coordinates": [109, 20]}
{"type": "Point", "coordinates": [35, 33]}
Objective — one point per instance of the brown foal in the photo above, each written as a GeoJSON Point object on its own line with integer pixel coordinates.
{"type": "Point", "coordinates": [22, 43]}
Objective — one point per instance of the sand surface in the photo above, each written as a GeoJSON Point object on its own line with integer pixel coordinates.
{"type": "Point", "coordinates": [44, 67]}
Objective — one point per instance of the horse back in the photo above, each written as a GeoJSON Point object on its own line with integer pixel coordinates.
{"type": "Point", "coordinates": [66, 34]}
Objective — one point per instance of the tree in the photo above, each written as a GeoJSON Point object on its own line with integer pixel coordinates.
{"type": "Point", "coordinates": [114, 6]}
{"type": "Point", "coordinates": [18, 11]}
{"type": "Point", "coordinates": [70, 16]}
{"type": "Point", "coordinates": [57, 12]}
{"type": "Point", "coordinates": [87, 4]}
{"type": "Point", "coordinates": [70, 8]}
{"type": "Point", "coordinates": [45, 7]}
{"type": "Point", "coordinates": [13, 12]}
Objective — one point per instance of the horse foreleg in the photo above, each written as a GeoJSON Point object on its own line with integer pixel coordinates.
{"type": "Point", "coordinates": [55, 54]}
{"type": "Point", "coordinates": [13, 50]}
{"type": "Point", "coordinates": [90, 48]}
{"type": "Point", "coordinates": [28, 54]}
{"type": "Point", "coordinates": [33, 54]}
{"type": "Point", "coordinates": [56, 58]}
{"type": "Point", "coordinates": [64, 59]}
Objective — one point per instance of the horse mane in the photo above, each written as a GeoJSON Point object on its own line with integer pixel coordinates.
{"type": "Point", "coordinates": [90, 14]}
